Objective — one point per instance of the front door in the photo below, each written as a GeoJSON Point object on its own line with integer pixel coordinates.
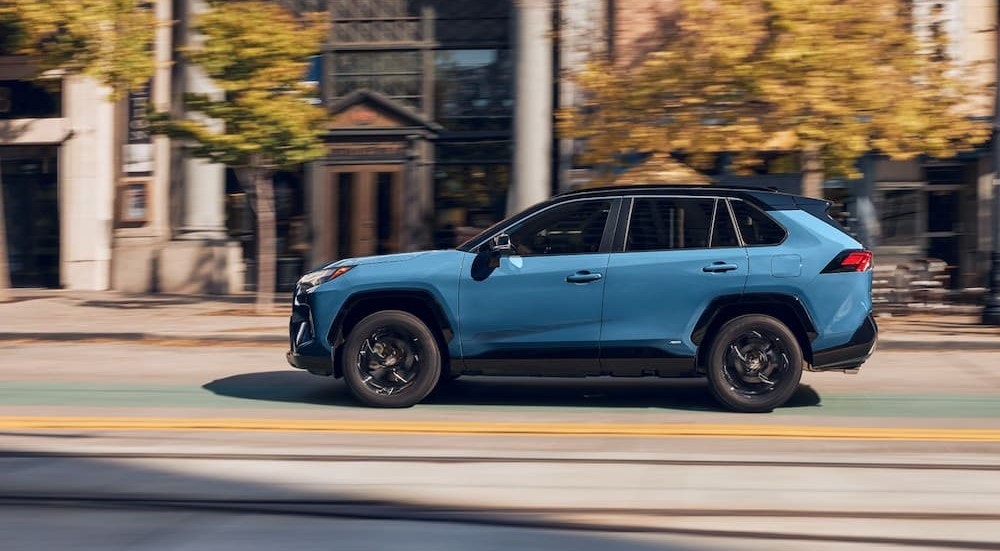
{"type": "Point", "coordinates": [944, 229]}
{"type": "Point", "coordinates": [366, 204]}
{"type": "Point", "coordinates": [539, 310]}
{"type": "Point", "coordinates": [31, 210]}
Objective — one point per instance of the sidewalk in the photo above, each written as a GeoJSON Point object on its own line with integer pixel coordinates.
{"type": "Point", "coordinates": [58, 315]}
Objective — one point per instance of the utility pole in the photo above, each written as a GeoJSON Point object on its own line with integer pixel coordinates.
{"type": "Point", "coordinates": [991, 313]}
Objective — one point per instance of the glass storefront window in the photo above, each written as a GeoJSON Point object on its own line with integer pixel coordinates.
{"type": "Point", "coordinates": [370, 9]}
{"type": "Point", "coordinates": [396, 74]}
{"type": "Point", "coordinates": [469, 196]}
{"type": "Point", "coordinates": [471, 23]}
{"type": "Point", "coordinates": [21, 99]}
{"type": "Point", "coordinates": [375, 21]}
{"type": "Point", "coordinates": [292, 241]}
{"type": "Point", "coordinates": [943, 210]}
{"type": "Point", "coordinates": [474, 89]}
{"type": "Point", "coordinates": [900, 217]}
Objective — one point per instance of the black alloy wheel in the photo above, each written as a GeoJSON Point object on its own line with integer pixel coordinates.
{"type": "Point", "coordinates": [391, 359]}
{"type": "Point", "coordinates": [754, 364]}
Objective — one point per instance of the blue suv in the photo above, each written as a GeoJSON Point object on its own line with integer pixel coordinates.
{"type": "Point", "coordinates": [746, 287]}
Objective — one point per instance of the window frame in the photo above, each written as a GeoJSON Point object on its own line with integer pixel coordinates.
{"type": "Point", "coordinates": [740, 244]}
{"type": "Point", "coordinates": [625, 223]}
{"type": "Point", "coordinates": [610, 225]}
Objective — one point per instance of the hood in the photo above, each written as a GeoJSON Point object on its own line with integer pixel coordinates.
{"type": "Point", "coordinates": [379, 259]}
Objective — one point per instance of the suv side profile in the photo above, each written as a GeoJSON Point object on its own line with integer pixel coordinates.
{"type": "Point", "coordinates": [746, 287]}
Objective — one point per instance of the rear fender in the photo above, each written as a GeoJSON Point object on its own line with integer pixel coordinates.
{"type": "Point", "coordinates": [786, 308]}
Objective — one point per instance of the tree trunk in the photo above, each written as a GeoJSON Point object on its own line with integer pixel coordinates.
{"type": "Point", "coordinates": [4, 266]}
{"type": "Point", "coordinates": [263, 185]}
{"type": "Point", "coordinates": [812, 173]}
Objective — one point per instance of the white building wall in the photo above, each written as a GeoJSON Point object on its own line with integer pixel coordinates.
{"type": "Point", "coordinates": [86, 186]}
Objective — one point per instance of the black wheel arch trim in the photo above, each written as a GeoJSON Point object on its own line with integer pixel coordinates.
{"type": "Point", "coordinates": [425, 297]}
{"type": "Point", "coordinates": [335, 336]}
{"type": "Point", "coordinates": [725, 307]}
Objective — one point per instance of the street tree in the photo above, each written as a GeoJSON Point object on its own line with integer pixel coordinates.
{"type": "Point", "coordinates": [827, 80]}
{"type": "Point", "coordinates": [108, 40]}
{"type": "Point", "coordinates": [257, 53]}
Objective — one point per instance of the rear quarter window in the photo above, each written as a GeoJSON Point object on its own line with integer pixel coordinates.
{"type": "Point", "coordinates": [755, 227]}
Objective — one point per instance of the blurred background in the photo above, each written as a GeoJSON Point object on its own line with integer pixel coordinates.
{"type": "Point", "coordinates": [441, 117]}
{"type": "Point", "coordinates": [165, 163]}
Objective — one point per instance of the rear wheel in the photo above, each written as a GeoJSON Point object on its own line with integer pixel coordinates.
{"type": "Point", "coordinates": [754, 364]}
{"type": "Point", "coordinates": [391, 359]}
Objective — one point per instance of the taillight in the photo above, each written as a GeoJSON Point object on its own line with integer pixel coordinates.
{"type": "Point", "coordinates": [858, 260]}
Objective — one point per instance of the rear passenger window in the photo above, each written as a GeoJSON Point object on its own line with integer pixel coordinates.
{"type": "Point", "coordinates": [756, 227]}
{"type": "Point", "coordinates": [670, 223]}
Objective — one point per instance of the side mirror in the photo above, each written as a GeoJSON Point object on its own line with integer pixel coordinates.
{"type": "Point", "coordinates": [500, 245]}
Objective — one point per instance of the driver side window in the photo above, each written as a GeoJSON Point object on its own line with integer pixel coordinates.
{"type": "Point", "coordinates": [572, 228]}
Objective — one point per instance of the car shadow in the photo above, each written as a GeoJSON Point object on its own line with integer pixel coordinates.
{"type": "Point", "coordinates": [283, 386]}
{"type": "Point", "coordinates": [599, 392]}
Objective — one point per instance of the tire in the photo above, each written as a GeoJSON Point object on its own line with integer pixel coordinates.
{"type": "Point", "coordinates": [754, 364]}
{"type": "Point", "coordinates": [391, 360]}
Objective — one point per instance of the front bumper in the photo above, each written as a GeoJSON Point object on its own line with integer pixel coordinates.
{"type": "Point", "coordinates": [317, 365]}
{"type": "Point", "coordinates": [852, 354]}
{"type": "Point", "coordinates": [305, 351]}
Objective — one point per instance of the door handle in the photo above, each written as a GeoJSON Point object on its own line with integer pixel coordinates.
{"type": "Point", "coordinates": [582, 277]}
{"type": "Point", "coordinates": [718, 267]}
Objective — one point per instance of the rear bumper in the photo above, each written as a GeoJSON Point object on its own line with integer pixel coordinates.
{"type": "Point", "coordinates": [852, 354]}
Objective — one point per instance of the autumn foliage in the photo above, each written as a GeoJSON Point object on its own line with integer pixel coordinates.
{"type": "Point", "coordinates": [828, 79]}
{"type": "Point", "coordinates": [109, 40]}
{"type": "Point", "coordinates": [256, 53]}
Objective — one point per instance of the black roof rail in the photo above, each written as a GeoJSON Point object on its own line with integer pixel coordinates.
{"type": "Point", "coordinates": [710, 188]}
{"type": "Point", "coordinates": [766, 198]}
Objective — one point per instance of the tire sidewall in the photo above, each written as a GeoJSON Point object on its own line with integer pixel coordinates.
{"type": "Point", "coordinates": [720, 386]}
{"type": "Point", "coordinates": [430, 364]}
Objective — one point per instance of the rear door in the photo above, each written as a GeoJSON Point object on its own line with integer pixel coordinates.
{"type": "Point", "coordinates": [678, 253]}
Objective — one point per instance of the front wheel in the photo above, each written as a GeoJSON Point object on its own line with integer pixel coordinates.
{"type": "Point", "coordinates": [391, 359]}
{"type": "Point", "coordinates": [754, 364]}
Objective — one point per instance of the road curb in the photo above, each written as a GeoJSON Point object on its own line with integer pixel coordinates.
{"type": "Point", "coordinates": [938, 345]}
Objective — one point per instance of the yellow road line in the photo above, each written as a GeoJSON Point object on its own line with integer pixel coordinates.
{"type": "Point", "coordinates": [486, 428]}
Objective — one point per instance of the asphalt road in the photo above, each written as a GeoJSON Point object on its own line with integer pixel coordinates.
{"type": "Point", "coordinates": [122, 447]}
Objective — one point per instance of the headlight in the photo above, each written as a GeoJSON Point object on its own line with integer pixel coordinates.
{"type": "Point", "coordinates": [318, 277]}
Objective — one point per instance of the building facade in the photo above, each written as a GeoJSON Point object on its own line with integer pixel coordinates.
{"type": "Point", "coordinates": [93, 200]}
{"type": "Point", "coordinates": [425, 143]}
{"type": "Point", "coordinates": [421, 99]}
{"type": "Point", "coordinates": [441, 123]}
{"type": "Point", "coordinates": [443, 115]}
{"type": "Point", "coordinates": [58, 190]}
